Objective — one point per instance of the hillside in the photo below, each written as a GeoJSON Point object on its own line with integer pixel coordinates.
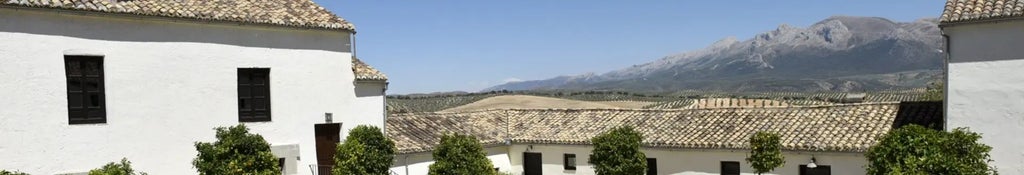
{"type": "Point", "coordinates": [840, 54]}
{"type": "Point", "coordinates": [612, 99]}
{"type": "Point", "coordinates": [536, 102]}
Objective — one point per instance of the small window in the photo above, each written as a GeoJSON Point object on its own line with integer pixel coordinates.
{"type": "Point", "coordinates": [730, 168]}
{"type": "Point", "coordinates": [652, 166]}
{"type": "Point", "coordinates": [280, 163]}
{"type": "Point", "coordinates": [86, 92]}
{"type": "Point", "coordinates": [570, 161]}
{"type": "Point", "coordinates": [253, 94]}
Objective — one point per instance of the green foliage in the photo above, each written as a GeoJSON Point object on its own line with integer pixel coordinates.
{"type": "Point", "coordinates": [934, 92]}
{"type": "Point", "coordinates": [365, 151]}
{"type": "Point", "coordinates": [5, 172]}
{"type": "Point", "coordinates": [915, 150]}
{"type": "Point", "coordinates": [765, 152]}
{"type": "Point", "coordinates": [460, 154]}
{"type": "Point", "coordinates": [236, 151]}
{"type": "Point", "coordinates": [112, 168]}
{"type": "Point", "coordinates": [618, 152]}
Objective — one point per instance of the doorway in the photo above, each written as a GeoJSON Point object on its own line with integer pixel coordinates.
{"type": "Point", "coordinates": [532, 164]}
{"type": "Point", "coordinates": [328, 135]}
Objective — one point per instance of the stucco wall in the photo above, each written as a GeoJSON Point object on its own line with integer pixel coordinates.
{"type": "Point", "coordinates": [419, 163]}
{"type": "Point", "coordinates": [986, 87]}
{"type": "Point", "coordinates": [685, 162]}
{"type": "Point", "coordinates": [370, 102]}
{"type": "Point", "coordinates": [168, 83]}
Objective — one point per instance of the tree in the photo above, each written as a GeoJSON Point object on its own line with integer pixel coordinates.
{"type": "Point", "coordinates": [123, 168]}
{"type": "Point", "coordinates": [934, 92]}
{"type": "Point", "coordinates": [365, 151]}
{"type": "Point", "coordinates": [914, 149]}
{"type": "Point", "coordinates": [460, 154]}
{"type": "Point", "coordinates": [5, 172]}
{"type": "Point", "coordinates": [765, 152]}
{"type": "Point", "coordinates": [236, 151]}
{"type": "Point", "coordinates": [618, 152]}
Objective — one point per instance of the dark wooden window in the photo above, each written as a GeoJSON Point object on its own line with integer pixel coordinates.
{"type": "Point", "coordinates": [569, 161]}
{"type": "Point", "coordinates": [86, 97]}
{"type": "Point", "coordinates": [819, 170]}
{"type": "Point", "coordinates": [280, 163]}
{"type": "Point", "coordinates": [652, 166]}
{"type": "Point", "coordinates": [730, 168]}
{"type": "Point", "coordinates": [253, 94]}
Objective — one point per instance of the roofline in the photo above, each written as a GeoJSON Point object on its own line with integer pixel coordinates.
{"type": "Point", "coordinates": [655, 110]}
{"type": "Point", "coordinates": [167, 18]}
{"type": "Point", "coordinates": [979, 21]}
{"type": "Point", "coordinates": [494, 145]}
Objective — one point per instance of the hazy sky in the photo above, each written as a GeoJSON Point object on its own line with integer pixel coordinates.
{"type": "Point", "coordinates": [468, 45]}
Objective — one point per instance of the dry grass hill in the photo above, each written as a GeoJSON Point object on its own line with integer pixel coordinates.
{"type": "Point", "coordinates": [537, 102]}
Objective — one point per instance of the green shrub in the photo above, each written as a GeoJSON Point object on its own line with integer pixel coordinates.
{"type": "Point", "coordinates": [236, 151]}
{"type": "Point", "coordinates": [5, 172]}
{"type": "Point", "coordinates": [112, 168]}
{"type": "Point", "coordinates": [618, 152]}
{"type": "Point", "coordinates": [765, 152]}
{"type": "Point", "coordinates": [460, 154]}
{"type": "Point", "coordinates": [934, 92]}
{"type": "Point", "coordinates": [365, 151]}
{"type": "Point", "coordinates": [914, 149]}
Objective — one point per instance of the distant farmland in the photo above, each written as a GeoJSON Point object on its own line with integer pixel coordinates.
{"type": "Point", "coordinates": [613, 99]}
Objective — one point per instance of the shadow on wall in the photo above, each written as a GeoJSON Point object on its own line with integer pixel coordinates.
{"type": "Point", "coordinates": [116, 27]}
{"type": "Point", "coordinates": [369, 89]}
{"type": "Point", "coordinates": [926, 113]}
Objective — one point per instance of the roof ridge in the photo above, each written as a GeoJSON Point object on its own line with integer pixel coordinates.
{"type": "Point", "coordinates": [654, 110]}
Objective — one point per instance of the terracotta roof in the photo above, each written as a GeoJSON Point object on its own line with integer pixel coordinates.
{"type": "Point", "coordinates": [837, 128]}
{"type": "Point", "coordinates": [364, 72]}
{"type": "Point", "coordinates": [295, 13]}
{"type": "Point", "coordinates": [964, 11]}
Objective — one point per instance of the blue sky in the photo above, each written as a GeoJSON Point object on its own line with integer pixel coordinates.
{"type": "Point", "coordinates": [465, 45]}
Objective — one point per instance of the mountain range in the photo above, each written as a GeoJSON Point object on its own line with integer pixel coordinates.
{"type": "Point", "coordinates": [841, 53]}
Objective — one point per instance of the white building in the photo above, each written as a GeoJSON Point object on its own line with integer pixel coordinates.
{"type": "Point", "coordinates": [677, 142]}
{"type": "Point", "coordinates": [985, 87]}
{"type": "Point", "coordinates": [87, 82]}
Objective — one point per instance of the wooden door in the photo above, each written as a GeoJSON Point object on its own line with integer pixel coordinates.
{"type": "Point", "coordinates": [532, 164]}
{"type": "Point", "coordinates": [327, 139]}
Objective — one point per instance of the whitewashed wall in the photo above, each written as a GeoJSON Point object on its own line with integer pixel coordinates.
{"type": "Point", "coordinates": [168, 83]}
{"type": "Point", "coordinates": [986, 87]}
{"type": "Point", "coordinates": [419, 163]}
{"type": "Point", "coordinates": [684, 162]}
{"type": "Point", "coordinates": [370, 102]}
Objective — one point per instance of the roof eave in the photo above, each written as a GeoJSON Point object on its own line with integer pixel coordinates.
{"type": "Point", "coordinates": [169, 18]}
{"type": "Point", "coordinates": [978, 21]}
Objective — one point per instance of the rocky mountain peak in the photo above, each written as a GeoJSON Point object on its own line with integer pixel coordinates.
{"type": "Point", "coordinates": [837, 46]}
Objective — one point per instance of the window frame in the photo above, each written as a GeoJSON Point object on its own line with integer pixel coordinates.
{"type": "Point", "coordinates": [566, 163]}
{"type": "Point", "coordinates": [723, 170]}
{"type": "Point", "coordinates": [84, 113]}
{"type": "Point", "coordinates": [250, 114]}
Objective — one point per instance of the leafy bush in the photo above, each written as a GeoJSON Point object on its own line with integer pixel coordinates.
{"type": "Point", "coordinates": [914, 149]}
{"type": "Point", "coordinates": [236, 151]}
{"type": "Point", "coordinates": [112, 168]}
{"type": "Point", "coordinates": [618, 152]}
{"type": "Point", "coordinates": [5, 172]}
{"type": "Point", "coordinates": [365, 151]}
{"type": "Point", "coordinates": [460, 154]}
{"type": "Point", "coordinates": [934, 92]}
{"type": "Point", "coordinates": [765, 152]}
